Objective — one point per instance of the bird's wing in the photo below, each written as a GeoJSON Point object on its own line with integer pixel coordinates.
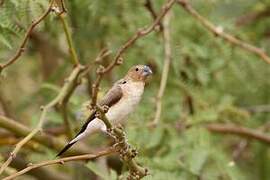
{"type": "Point", "coordinates": [111, 98]}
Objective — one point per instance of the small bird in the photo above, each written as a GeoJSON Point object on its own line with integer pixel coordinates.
{"type": "Point", "coordinates": [121, 99]}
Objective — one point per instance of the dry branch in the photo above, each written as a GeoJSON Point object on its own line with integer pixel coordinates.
{"type": "Point", "coordinates": [60, 161]}
{"type": "Point", "coordinates": [165, 70]}
{"type": "Point", "coordinates": [25, 39]}
{"type": "Point", "coordinates": [238, 130]}
{"type": "Point", "coordinates": [218, 31]}
{"type": "Point", "coordinates": [49, 173]}
{"type": "Point", "coordinates": [149, 6]}
{"type": "Point", "coordinates": [75, 59]}
{"type": "Point", "coordinates": [140, 33]}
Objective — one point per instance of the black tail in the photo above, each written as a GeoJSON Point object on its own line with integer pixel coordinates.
{"type": "Point", "coordinates": [65, 149]}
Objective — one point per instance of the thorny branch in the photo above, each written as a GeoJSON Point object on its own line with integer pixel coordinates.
{"type": "Point", "coordinates": [165, 70]}
{"type": "Point", "coordinates": [218, 31]}
{"type": "Point", "coordinates": [60, 161]}
{"type": "Point", "coordinates": [26, 37]}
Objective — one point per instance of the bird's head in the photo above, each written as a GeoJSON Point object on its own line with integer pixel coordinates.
{"type": "Point", "coordinates": [139, 73]}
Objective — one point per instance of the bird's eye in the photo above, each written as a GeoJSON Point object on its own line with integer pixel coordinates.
{"type": "Point", "coordinates": [124, 82]}
{"type": "Point", "coordinates": [137, 69]}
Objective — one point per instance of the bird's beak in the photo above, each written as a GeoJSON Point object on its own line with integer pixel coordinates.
{"type": "Point", "coordinates": [147, 71]}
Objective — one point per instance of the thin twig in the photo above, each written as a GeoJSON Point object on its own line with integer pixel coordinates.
{"type": "Point", "coordinates": [72, 50]}
{"type": "Point", "coordinates": [149, 6]}
{"type": "Point", "coordinates": [238, 130]}
{"type": "Point", "coordinates": [165, 70]}
{"type": "Point", "coordinates": [218, 31]}
{"type": "Point", "coordinates": [60, 161]}
{"type": "Point", "coordinates": [65, 91]}
{"type": "Point", "coordinates": [140, 33]}
{"type": "Point", "coordinates": [26, 37]}
{"type": "Point", "coordinates": [254, 16]}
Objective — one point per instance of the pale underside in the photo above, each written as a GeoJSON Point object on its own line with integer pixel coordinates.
{"type": "Point", "coordinates": [119, 112]}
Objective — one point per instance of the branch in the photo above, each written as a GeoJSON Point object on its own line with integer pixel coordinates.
{"type": "Point", "coordinates": [72, 51]}
{"type": "Point", "coordinates": [241, 131]}
{"type": "Point", "coordinates": [41, 173]}
{"type": "Point", "coordinates": [218, 31]}
{"type": "Point", "coordinates": [149, 6]}
{"type": "Point", "coordinates": [165, 70]}
{"type": "Point", "coordinates": [126, 152]}
{"type": "Point", "coordinates": [26, 37]}
{"type": "Point", "coordinates": [60, 161]}
{"type": "Point", "coordinates": [64, 93]}
{"type": "Point", "coordinates": [253, 17]}
{"type": "Point", "coordinates": [140, 33]}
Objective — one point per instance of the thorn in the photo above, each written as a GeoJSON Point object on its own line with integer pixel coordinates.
{"type": "Point", "coordinates": [105, 108]}
{"type": "Point", "coordinates": [119, 61]}
{"type": "Point", "coordinates": [12, 155]}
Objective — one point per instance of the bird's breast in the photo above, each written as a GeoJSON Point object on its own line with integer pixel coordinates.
{"type": "Point", "coordinates": [127, 104]}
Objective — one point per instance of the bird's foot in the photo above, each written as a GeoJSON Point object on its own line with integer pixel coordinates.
{"type": "Point", "coordinates": [109, 132]}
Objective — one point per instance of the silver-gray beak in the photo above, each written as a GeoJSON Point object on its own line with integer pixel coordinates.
{"type": "Point", "coordinates": [147, 71]}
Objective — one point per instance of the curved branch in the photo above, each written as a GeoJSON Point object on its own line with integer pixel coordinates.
{"type": "Point", "coordinates": [165, 70]}
{"type": "Point", "coordinates": [218, 31]}
{"type": "Point", "coordinates": [75, 59]}
{"type": "Point", "coordinates": [60, 161]}
{"type": "Point", "coordinates": [140, 33]}
{"type": "Point", "coordinates": [26, 37]}
{"type": "Point", "coordinates": [241, 131]}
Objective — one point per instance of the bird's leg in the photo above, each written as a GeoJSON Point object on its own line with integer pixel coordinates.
{"type": "Point", "coordinates": [105, 108]}
{"type": "Point", "coordinates": [109, 132]}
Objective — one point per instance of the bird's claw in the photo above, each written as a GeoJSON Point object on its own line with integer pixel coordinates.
{"type": "Point", "coordinates": [105, 108]}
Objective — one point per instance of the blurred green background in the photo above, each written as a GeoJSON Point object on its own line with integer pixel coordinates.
{"type": "Point", "coordinates": [210, 81]}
